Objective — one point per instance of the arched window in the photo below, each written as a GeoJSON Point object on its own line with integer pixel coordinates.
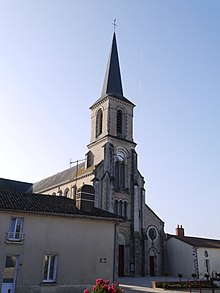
{"type": "Point", "coordinates": [59, 193]}
{"type": "Point", "coordinates": [120, 175]}
{"type": "Point", "coordinates": [66, 192]}
{"type": "Point", "coordinates": [54, 193]}
{"type": "Point", "coordinates": [119, 122]}
{"type": "Point", "coordinates": [120, 207]}
{"type": "Point", "coordinates": [125, 209]}
{"type": "Point", "coordinates": [99, 118]}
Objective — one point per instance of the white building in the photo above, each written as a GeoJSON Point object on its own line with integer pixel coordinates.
{"type": "Point", "coordinates": [192, 255]}
{"type": "Point", "coordinates": [49, 244]}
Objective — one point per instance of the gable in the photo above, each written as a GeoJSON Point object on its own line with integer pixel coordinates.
{"type": "Point", "coordinates": [152, 217]}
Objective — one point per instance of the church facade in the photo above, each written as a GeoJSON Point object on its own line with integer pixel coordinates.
{"type": "Point", "coordinates": [111, 166]}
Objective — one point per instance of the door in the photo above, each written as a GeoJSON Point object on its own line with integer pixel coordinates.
{"type": "Point", "coordinates": [152, 265]}
{"type": "Point", "coordinates": [10, 273]}
{"type": "Point", "coordinates": [121, 261]}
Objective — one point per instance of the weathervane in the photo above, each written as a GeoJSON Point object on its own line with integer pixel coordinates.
{"type": "Point", "coordinates": [114, 24]}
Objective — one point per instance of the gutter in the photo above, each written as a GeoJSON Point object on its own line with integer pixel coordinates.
{"type": "Point", "coordinates": [80, 216]}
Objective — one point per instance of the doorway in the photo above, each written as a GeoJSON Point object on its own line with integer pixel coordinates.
{"type": "Point", "coordinates": [121, 260]}
{"type": "Point", "coordinates": [10, 274]}
{"type": "Point", "coordinates": [152, 269]}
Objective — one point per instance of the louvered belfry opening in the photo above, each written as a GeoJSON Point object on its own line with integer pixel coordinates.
{"type": "Point", "coordinates": [99, 119]}
{"type": "Point", "coordinates": [119, 122]}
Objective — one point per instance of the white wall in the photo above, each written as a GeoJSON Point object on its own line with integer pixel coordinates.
{"type": "Point", "coordinates": [213, 258]}
{"type": "Point", "coordinates": [180, 258]}
{"type": "Point", "coordinates": [79, 244]}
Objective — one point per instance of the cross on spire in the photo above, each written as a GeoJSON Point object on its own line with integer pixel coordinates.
{"type": "Point", "coordinates": [114, 24]}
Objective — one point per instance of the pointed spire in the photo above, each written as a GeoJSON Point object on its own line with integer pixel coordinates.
{"type": "Point", "coordinates": [112, 82]}
{"type": "Point", "coordinates": [112, 85]}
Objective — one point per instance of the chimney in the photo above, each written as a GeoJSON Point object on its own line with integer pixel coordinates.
{"type": "Point", "coordinates": [85, 198]}
{"type": "Point", "coordinates": [179, 231]}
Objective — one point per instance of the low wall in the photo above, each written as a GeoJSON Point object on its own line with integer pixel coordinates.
{"type": "Point", "coordinates": [53, 289]}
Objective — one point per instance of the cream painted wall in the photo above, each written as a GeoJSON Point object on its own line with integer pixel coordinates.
{"type": "Point", "coordinates": [104, 104]}
{"type": "Point", "coordinates": [79, 244]}
{"type": "Point", "coordinates": [180, 258]}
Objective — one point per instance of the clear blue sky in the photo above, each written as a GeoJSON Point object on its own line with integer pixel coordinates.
{"type": "Point", "coordinates": [53, 56]}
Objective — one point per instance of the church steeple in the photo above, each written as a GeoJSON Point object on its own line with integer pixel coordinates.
{"type": "Point", "coordinates": [112, 113]}
{"type": "Point", "coordinates": [112, 83]}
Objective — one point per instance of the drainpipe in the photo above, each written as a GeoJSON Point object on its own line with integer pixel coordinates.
{"type": "Point", "coordinates": [114, 254]}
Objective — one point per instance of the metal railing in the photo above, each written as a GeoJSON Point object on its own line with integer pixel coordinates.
{"type": "Point", "coordinates": [15, 236]}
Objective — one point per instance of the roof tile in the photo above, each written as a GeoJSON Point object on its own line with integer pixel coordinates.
{"type": "Point", "coordinates": [19, 201]}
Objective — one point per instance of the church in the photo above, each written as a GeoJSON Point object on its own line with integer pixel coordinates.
{"type": "Point", "coordinates": [111, 167]}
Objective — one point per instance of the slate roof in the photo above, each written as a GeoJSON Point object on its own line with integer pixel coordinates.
{"type": "Point", "coordinates": [58, 179]}
{"type": "Point", "coordinates": [41, 203]}
{"type": "Point", "coordinates": [197, 241]}
{"type": "Point", "coordinates": [13, 185]}
{"type": "Point", "coordinates": [112, 82]}
{"type": "Point", "coordinates": [112, 85]}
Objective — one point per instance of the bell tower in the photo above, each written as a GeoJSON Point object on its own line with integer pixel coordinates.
{"type": "Point", "coordinates": [112, 113]}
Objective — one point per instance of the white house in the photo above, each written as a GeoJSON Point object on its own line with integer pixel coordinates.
{"type": "Point", "coordinates": [50, 244]}
{"type": "Point", "coordinates": [192, 255]}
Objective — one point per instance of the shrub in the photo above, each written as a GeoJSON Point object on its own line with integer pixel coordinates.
{"type": "Point", "coordinates": [166, 275]}
{"type": "Point", "coordinates": [184, 285]}
{"type": "Point", "coordinates": [180, 276]}
{"type": "Point", "coordinates": [102, 286]}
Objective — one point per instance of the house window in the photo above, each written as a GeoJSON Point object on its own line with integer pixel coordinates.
{"type": "Point", "coordinates": [119, 122]}
{"type": "Point", "coordinates": [10, 272]}
{"type": "Point", "coordinates": [99, 118]}
{"type": "Point", "coordinates": [16, 229]}
{"type": "Point", "coordinates": [50, 268]}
